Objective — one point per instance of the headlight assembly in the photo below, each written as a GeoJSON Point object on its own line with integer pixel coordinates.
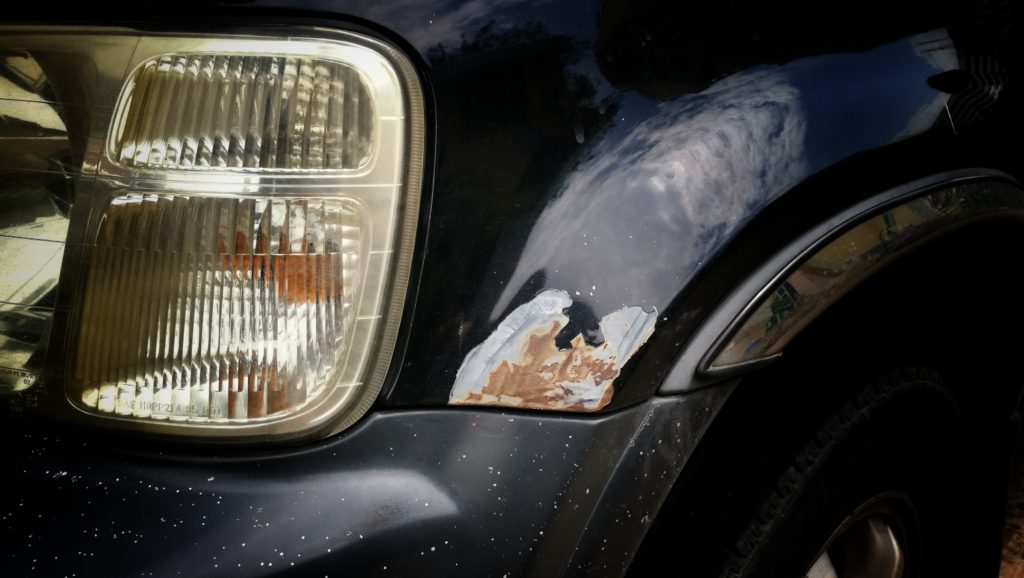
{"type": "Point", "coordinates": [207, 236]}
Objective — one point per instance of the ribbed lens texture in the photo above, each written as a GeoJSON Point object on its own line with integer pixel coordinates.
{"type": "Point", "coordinates": [199, 309]}
{"type": "Point", "coordinates": [195, 111]}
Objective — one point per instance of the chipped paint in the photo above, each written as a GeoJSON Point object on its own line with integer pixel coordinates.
{"type": "Point", "coordinates": [519, 364]}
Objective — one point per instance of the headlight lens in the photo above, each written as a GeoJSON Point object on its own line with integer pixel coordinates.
{"type": "Point", "coordinates": [209, 111]}
{"type": "Point", "coordinates": [226, 223]}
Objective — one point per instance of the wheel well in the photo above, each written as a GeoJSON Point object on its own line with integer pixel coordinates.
{"type": "Point", "coordinates": [954, 306]}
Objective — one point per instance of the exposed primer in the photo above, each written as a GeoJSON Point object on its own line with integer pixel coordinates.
{"type": "Point", "coordinates": [519, 364]}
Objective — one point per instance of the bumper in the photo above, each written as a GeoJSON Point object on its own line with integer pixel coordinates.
{"type": "Point", "coordinates": [445, 493]}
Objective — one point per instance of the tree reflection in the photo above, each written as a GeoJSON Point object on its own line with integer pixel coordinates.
{"type": "Point", "coordinates": [519, 110]}
{"type": "Point", "coordinates": [665, 48]}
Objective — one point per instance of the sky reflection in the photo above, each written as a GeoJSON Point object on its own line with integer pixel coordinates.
{"type": "Point", "coordinates": [673, 188]}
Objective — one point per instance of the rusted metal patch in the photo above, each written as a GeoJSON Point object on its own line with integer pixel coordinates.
{"type": "Point", "coordinates": [519, 365]}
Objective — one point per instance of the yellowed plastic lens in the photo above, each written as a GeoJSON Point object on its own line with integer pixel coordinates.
{"type": "Point", "coordinates": [227, 224]}
{"type": "Point", "coordinates": [217, 309]}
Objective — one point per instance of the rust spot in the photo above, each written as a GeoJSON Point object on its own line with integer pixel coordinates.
{"type": "Point", "coordinates": [520, 365]}
{"type": "Point", "coordinates": [541, 364]}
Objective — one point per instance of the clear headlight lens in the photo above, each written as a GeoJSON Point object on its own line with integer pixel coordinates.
{"type": "Point", "coordinates": [211, 236]}
{"type": "Point", "coordinates": [203, 111]}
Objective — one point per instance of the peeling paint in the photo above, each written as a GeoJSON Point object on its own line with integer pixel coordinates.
{"type": "Point", "coordinates": [519, 365]}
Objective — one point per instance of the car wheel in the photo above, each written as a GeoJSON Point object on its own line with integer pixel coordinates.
{"type": "Point", "coordinates": [874, 541]}
{"type": "Point", "coordinates": [824, 481]}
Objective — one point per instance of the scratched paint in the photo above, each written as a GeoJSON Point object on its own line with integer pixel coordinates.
{"type": "Point", "coordinates": [520, 365]}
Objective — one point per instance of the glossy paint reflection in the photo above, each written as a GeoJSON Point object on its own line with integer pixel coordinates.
{"type": "Point", "coordinates": [674, 189]}
{"type": "Point", "coordinates": [560, 169]}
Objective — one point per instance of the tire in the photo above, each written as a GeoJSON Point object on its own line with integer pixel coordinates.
{"type": "Point", "coordinates": [806, 478]}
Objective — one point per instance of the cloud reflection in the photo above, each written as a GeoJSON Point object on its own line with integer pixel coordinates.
{"type": "Point", "coordinates": [690, 172]}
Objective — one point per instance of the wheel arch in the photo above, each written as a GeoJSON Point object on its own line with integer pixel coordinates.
{"type": "Point", "coordinates": [867, 243]}
{"type": "Point", "coordinates": [951, 301]}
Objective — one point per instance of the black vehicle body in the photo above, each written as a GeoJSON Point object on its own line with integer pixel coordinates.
{"type": "Point", "coordinates": [649, 154]}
